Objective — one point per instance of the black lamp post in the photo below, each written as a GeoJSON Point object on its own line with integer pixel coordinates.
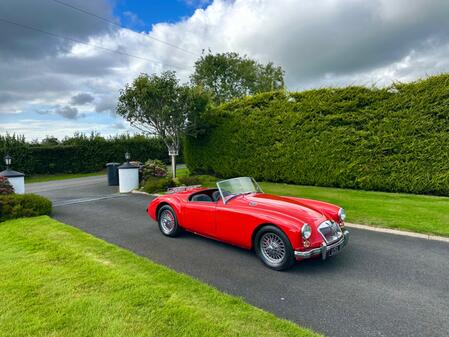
{"type": "Point", "coordinates": [127, 156]}
{"type": "Point", "coordinates": [8, 161]}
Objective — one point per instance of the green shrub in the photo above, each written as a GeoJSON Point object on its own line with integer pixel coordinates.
{"type": "Point", "coordinates": [5, 186]}
{"type": "Point", "coordinates": [392, 139]}
{"type": "Point", "coordinates": [14, 206]}
{"type": "Point", "coordinates": [203, 180]}
{"type": "Point", "coordinates": [154, 185]}
{"type": "Point", "coordinates": [190, 180]}
{"type": "Point", "coordinates": [154, 168]}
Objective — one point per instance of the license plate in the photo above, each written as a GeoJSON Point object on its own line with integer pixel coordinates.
{"type": "Point", "coordinates": [334, 251]}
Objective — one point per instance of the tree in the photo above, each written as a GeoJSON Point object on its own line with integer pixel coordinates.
{"type": "Point", "coordinates": [228, 76]}
{"type": "Point", "coordinates": [159, 105]}
{"type": "Point", "coordinates": [50, 140]}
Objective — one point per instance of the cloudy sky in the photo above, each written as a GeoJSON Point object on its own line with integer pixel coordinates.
{"type": "Point", "coordinates": [61, 69]}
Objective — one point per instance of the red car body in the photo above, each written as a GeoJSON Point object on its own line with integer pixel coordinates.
{"type": "Point", "coordinates": [237, 221]}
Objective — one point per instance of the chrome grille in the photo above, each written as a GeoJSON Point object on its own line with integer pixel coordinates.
{"type": "Point", "coordinates": [330, 231]}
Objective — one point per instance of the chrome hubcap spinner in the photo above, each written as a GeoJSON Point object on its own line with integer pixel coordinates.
{"type": "Point", "coordinates": [167, 221]}
{"type": "Point", "coordinates": [272, 248]}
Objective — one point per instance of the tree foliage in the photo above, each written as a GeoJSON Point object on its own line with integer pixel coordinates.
{"type": "Point", "coordinates": [229, 76]}
{"type": "Point", "coordinates": [159, 105]}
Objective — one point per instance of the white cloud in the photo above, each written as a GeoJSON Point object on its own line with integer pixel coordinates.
{"type": "Point", "coordinates": [37, 129]}
{"type": "Point", "coordinates": [318, 43]}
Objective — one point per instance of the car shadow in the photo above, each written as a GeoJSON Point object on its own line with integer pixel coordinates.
{"type": "Point", "coordinates": [314, 265]}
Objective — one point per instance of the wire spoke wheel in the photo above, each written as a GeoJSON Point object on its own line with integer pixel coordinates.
{"type": "Point", "coordinates": [167, 221]}
{"type": "Point", "coordinates": [272, 248]}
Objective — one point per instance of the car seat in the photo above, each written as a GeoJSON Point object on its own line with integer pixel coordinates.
{"type": "Point", "coordinates": [216, 195]}
{"type": "Point", "coordinates": [201, 197]}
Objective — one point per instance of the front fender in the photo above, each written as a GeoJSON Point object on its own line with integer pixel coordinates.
{"type": "Point", "coordinates": [329, 210]}
{"type": "Point", "coordinates": [290, 225]}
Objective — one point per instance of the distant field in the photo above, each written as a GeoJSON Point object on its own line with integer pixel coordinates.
{"type": "Point", "coordinates": [49, 177]}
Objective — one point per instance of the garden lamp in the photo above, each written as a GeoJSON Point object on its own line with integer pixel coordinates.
{"type": "Point", "coordinates": [127, 156]}
{"type": "Point", "coordinates": [8, 161]}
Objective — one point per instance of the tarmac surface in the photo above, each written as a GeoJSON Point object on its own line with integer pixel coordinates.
{"type": "Point", "coordinates": [380, 285]}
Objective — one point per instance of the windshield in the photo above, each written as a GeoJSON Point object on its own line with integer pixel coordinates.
{"type": "Point", "coordinates": [233, 187]}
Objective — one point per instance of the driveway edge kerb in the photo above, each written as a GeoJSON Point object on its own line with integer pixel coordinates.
{"type": "Point", "coordinates": [398, 232]}
{"type": "Point", "coordinates": [140, 192]}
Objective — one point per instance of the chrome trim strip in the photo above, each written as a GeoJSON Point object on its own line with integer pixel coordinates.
{"type": "Point", "coordinates": [324, 248]}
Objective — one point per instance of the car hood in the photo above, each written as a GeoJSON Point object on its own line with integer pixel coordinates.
{"type": "Point", "coordinates": [292, 207]}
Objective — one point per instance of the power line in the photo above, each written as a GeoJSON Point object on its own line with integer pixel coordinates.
{"type": "Point", "coordinates": [121, 26]}
{"type": "Point", "coordinates": [87, 44]}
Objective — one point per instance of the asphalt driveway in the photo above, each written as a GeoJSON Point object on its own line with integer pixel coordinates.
{"type": "Point", "coordinates": [381, 285]}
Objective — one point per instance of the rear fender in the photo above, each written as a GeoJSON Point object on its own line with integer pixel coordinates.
{"type": "Point", "coordinates": [157, 203]}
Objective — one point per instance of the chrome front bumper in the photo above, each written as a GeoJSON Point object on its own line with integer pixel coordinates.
{"type": "Point", "coordinates": [325, 250]}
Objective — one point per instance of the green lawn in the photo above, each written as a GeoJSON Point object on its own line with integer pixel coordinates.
{"type": "Point", "coordinates": [182, 172]}
{"type": "Point", "coordinates": [417, 213]}
{"type": "Point", "coordinates": [56, 280]}
{"type": "Point", "coordinates": [38, 178]}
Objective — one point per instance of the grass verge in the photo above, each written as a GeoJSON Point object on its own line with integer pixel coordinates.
{"type": "Point", "coordinates": [39, 178]}
{"type": "Point", "coordinates": [416, 213]}
{"type": "Point", "coordinates": [56, 280]}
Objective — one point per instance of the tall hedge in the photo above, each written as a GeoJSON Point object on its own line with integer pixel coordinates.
{"type": "Point", "coordinates": [392, 139]}
{"type": "Point", "coordinates": [80, 153]}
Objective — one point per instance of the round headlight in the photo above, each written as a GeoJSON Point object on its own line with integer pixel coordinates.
{"type": "Point", "coordinates": [306, 231]}
{"type": "Point", "coordinates": [342, 214]}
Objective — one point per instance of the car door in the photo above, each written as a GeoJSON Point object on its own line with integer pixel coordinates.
{"type": "Point", "coordinates": [200, 217]}
{"type": "Point", "coordinates": [233, 224]}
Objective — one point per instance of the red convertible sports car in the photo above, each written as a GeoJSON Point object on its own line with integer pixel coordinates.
{"type": "Point", "coordinates": [280, 229]}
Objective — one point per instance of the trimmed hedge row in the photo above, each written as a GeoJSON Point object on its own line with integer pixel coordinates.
{"type": "Point", "coordinates": [80, 154]}
{"type": "Point", "coordinates": [13, 206]}
{"type": "Point", "coordinates": [393, 139]}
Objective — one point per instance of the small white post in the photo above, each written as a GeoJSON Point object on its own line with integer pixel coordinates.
{"type": "Point", "coordinates": [18, 183]}
{"type": "Point", "coordinates": [173, 153]}
{"type": "Point", "coordinates": [173, 165]}
{"type": "Point", "coordinates": [128, 177]}
{"type": "Point", "coordinates": [16, 179]}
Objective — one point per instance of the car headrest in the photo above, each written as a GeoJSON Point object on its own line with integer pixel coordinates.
{"type": "Point", "coordinates": [216, 196]}
{"type": "Point", "coordinates": [201, 197]}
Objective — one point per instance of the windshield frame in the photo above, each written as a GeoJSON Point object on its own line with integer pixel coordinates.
{"type": "Point", "coordinates": [257, 189]}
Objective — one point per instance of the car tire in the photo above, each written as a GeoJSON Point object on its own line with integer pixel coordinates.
{"type": "Point", "coordinates": [273, 248]}
{"type": "Point", "coordinates": [168, 223]}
